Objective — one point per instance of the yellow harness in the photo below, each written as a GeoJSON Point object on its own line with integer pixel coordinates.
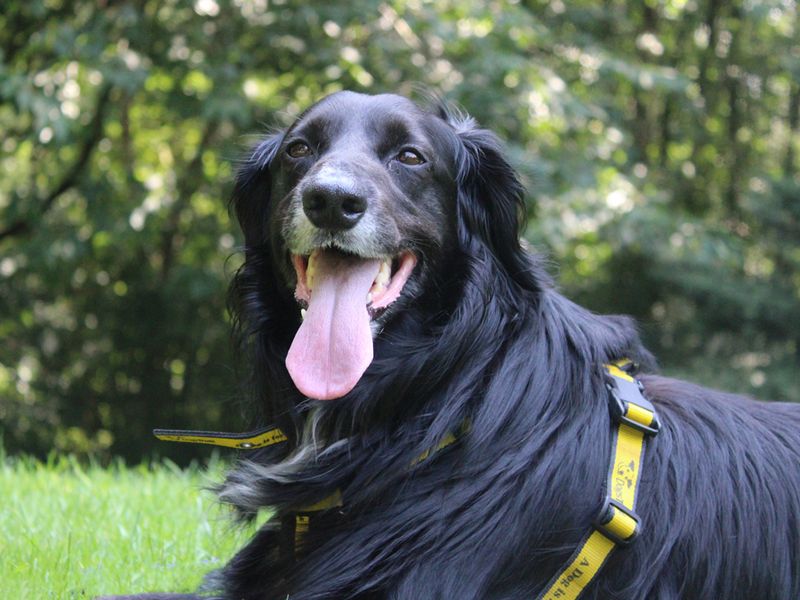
{"type": "Point", "coordinates": [617, 523]}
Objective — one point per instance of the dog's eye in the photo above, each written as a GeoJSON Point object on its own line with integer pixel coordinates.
{"type": "Point", "coordinates": [298, 150]}
{"type": "Point", "coordinates": [410, 157]}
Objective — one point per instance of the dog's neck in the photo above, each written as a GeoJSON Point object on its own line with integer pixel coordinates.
{"type": "Point", "coordinates": [409, 400]}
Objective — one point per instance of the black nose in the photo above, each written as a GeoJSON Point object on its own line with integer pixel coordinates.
{"type": "Point", "coordinates": [333, 205]}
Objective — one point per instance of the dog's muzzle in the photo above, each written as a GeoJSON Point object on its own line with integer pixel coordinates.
{"type": "Point", "coordinates": [349, 270]}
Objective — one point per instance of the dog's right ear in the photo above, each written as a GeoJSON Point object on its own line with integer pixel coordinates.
{"type": "Point", "coordinates": [251, 192]}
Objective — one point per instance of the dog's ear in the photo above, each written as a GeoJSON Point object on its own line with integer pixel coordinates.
{"type": "Point", "coordinates": [491, 198]}
{"type": "Point", "coordinates": [252, 189]}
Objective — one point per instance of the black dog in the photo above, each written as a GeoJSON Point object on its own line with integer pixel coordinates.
{"type": "Point", "coordinates": [449, 407]}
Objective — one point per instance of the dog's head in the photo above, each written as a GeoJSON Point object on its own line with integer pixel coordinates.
{"type": "Point", "coordinates": [360, 208]}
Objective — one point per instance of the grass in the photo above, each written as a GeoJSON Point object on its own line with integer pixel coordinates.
{"type": "Point", "coordinates": [74, 531]}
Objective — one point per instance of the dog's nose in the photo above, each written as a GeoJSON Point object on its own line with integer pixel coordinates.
{"type": "Point", "coordinates": [334, 204]}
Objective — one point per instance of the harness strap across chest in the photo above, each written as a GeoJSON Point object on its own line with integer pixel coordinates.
{"type": "Point", "coordinates": [616, 524]}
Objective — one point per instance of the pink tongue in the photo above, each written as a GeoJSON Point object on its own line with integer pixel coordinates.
{"type": "Point", "coordinates": [333, 346]}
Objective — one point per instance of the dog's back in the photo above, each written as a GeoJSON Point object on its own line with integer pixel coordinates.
{"type": "Point", "coordinates": [721, 495]}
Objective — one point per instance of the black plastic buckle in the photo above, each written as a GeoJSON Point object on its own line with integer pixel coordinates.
{"type": "Point", "coordinates": [605, 516]}
{"type": "Point", "coordinates": [620, 394]}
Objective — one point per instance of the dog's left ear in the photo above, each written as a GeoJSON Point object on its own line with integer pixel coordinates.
{"type": "Point", "coordinates": [491, 198]}
{"type": "Point", "coordinates": [251, 192]}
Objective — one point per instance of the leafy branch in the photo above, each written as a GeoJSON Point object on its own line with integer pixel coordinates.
{"type": "Point", "coordinates": [69, 179]}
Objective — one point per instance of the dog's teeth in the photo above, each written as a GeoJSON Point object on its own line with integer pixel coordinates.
{"type": "Point", "coordinates": [381, 279]}
{"type": "Point", "coordinates": [303, 313]}
{"type": "Point", "coordinates": [384, 275]}
{"type": "Point", "coordinates": [310, 270]}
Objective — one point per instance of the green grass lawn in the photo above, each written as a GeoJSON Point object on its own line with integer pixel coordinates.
{"type": "Point", "coordinates": [72, 531]}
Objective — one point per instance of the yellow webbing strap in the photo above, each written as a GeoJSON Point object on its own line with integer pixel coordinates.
{"type": "Point", "coordinates": [618, 522]}
{"type": "Point", "coordinates": [303, 518]}
{"type": "Point", "coordinates": [335, 499]}
{"type": "Point", "coordinates": [332, 501]}
{"type": "Point", "coordinates": [301, 525]}
{"type": "Point", "coordinates": [250, 440]}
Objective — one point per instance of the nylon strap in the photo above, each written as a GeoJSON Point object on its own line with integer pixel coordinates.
{"type": "Point", "coordinates": [617, 523]}
{"type": "Point", "coordinates": [303, 517]}
{"type": "Point", "coordinates": [250, 440]}
{"type": "Point", "coordinates": [269, 436]}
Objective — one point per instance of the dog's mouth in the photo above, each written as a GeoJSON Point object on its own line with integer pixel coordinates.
{"type": "Point", "coordinates": [392, 275]}
{"type": "Point", "coordinates": [341, 295]}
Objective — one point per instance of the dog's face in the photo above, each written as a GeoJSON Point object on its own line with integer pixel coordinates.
{"type": "Point", "coordinates": [361, 187]}
{"type": "Point", "coordinates": [368, 176]}
{"type": "Point", "coordinates": [364, 196]}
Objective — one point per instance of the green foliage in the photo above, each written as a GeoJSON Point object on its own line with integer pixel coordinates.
{"type": "Point", "coordinates": [72, 531]}
{"type": "Point", "coordinates": [659, 141]}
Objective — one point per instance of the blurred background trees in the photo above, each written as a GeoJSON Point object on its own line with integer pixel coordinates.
{"type": "Point", "coordinates": [659, 141]}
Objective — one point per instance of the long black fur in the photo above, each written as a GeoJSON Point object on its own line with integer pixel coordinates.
{"type": "Point", "coordinates": [490, 340]}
